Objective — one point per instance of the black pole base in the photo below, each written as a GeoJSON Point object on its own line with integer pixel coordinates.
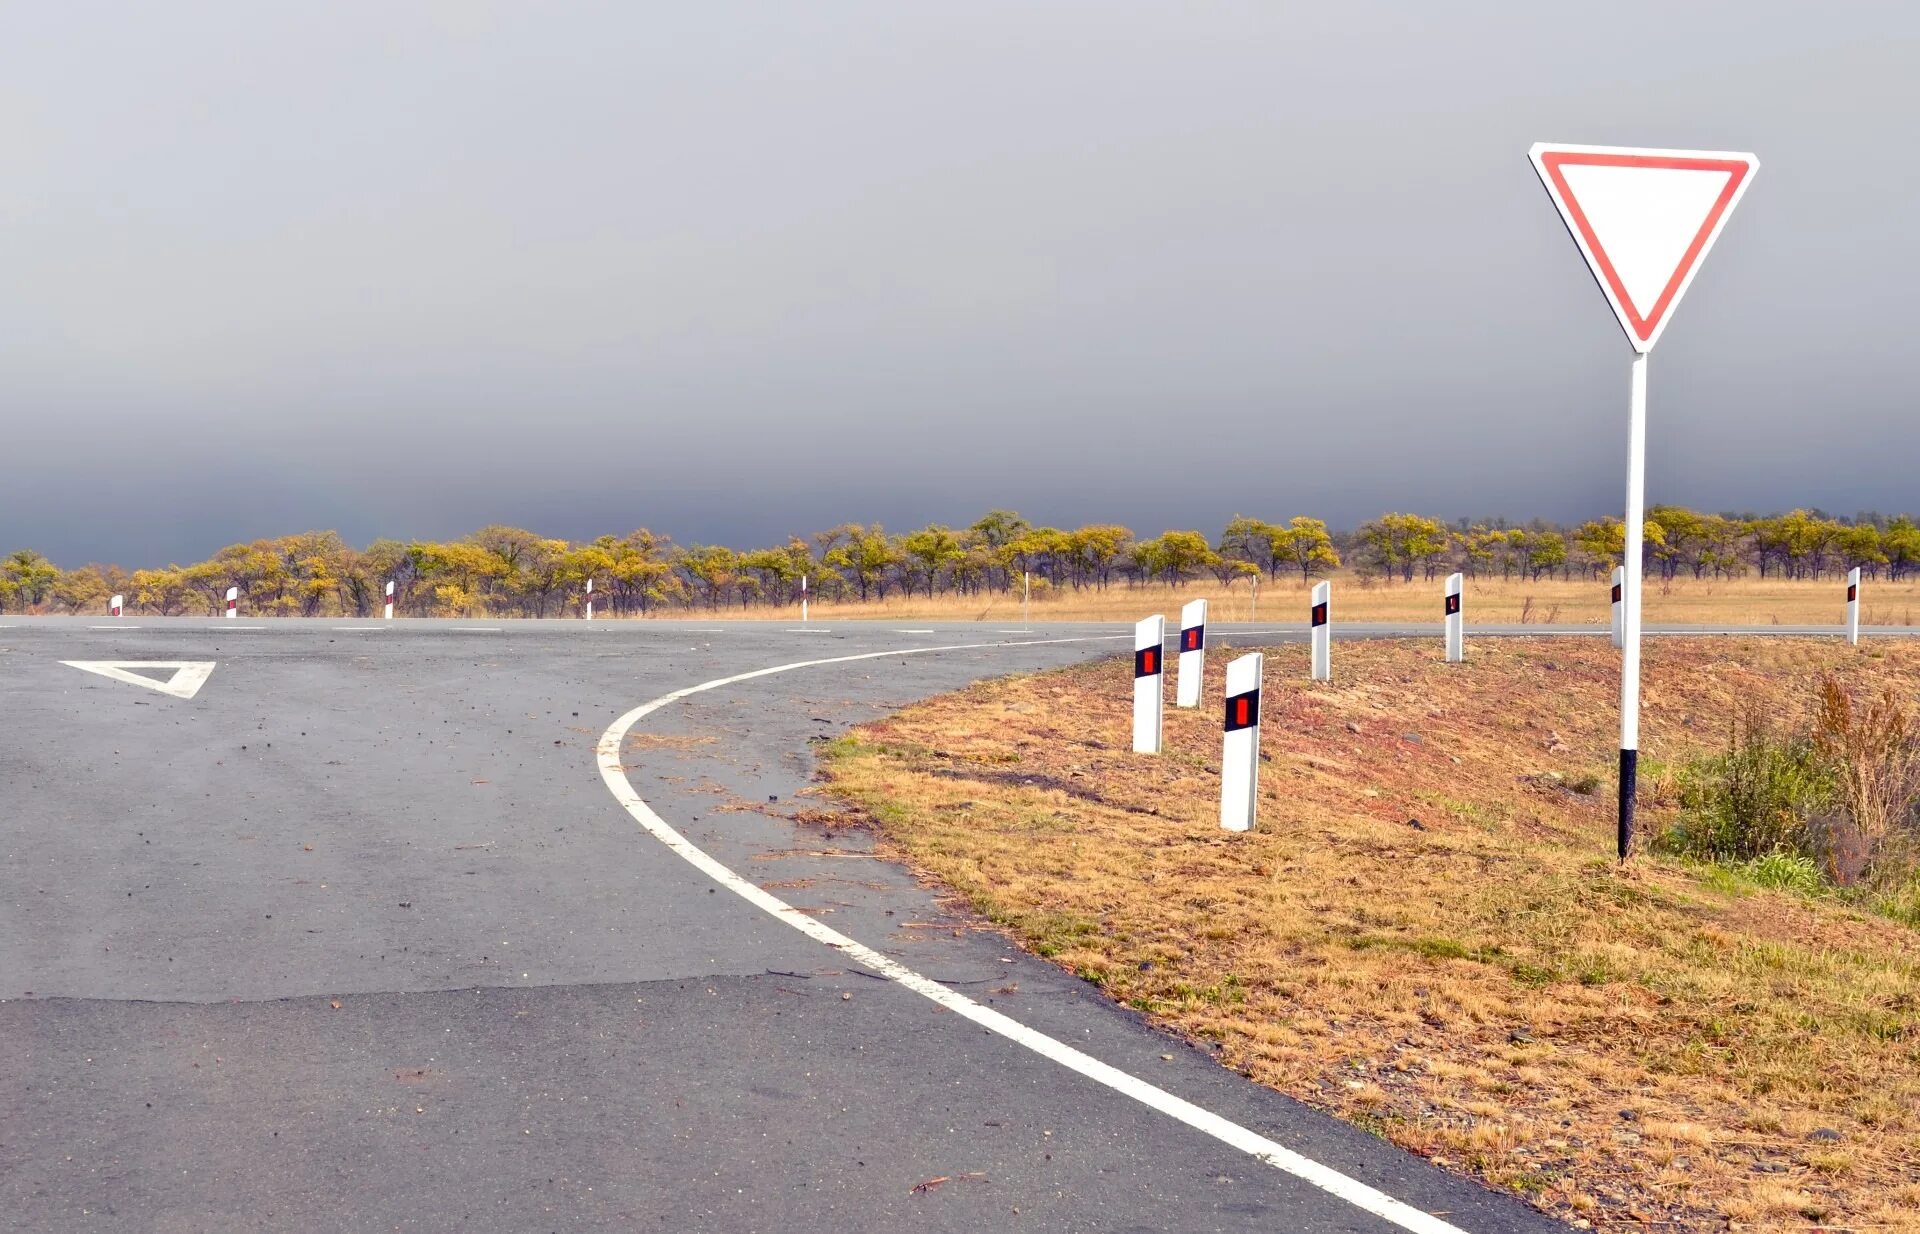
{"type": "Point", "coordinates": [1629, 775]}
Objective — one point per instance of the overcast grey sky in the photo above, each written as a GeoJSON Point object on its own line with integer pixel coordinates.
{"type": "Point", "coordinates": [731, 270]}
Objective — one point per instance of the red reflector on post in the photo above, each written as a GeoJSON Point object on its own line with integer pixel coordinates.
{"type": "Point", "coordinates": [1319, 614]}
{"type": "Point", "coordinates": [1146, 662]}
{"type": "Point", "coordinates": [1243, 711]}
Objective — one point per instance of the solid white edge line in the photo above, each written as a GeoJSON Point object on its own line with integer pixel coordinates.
{"type": "Point", "coordinates": [1327, 1179]}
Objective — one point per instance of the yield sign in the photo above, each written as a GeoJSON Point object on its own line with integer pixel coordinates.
{"type": "Point", "coordinates": [183, 682]}
{"type": "Point", "coordinates": [1644, 220]}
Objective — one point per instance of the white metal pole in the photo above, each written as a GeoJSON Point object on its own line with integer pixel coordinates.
{"type": "Point", "coordinates": [1630, 601]}
{"type": "Point", "coordinates": [233, 601]}
{"type": "Point", "coordinates": [1456, 628]}
{"type": "Point", "coordinates": [1026, 595]}
{"type": "Point", "coordinates": [1240, 755]}
{"type": "Point", "coordinates": [389, 599]}
{"type": "Point", "coordinates": [1253, 604]}
{"type": "Point", "coordinates": [803, 599]}
{"type": "Point", "coordinates": [113, 606]}
{"type": "Point", "coordinates": [1149, 654]}
{"type": "Point", "coordinates": [1193, 653]}
{"type": "Point", "coordinates": [1619, 590]}
{"type": "Point", "coordinates": [1853, 605]}
{"type": "Point", "coordinates": [589, 599]}
{"type": "Point", "coordinates": [1322, 634]}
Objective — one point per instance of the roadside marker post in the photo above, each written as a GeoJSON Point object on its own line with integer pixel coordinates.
{"type": "Point", "coordinates": [1853, 605]}
{"type": "Point", "coordinates": [1240, 756]}
{"type": "Point", "coordinates": [1193, 654]}
{"type": "Point", "coordinates": [113, 606]}
{"type": "Point", "coordinates": [1644, 221]}
{"type": "Point", "coordinates": [589, 599]}
{"type": "Point", "coordinates": [233, 601]}
{"type": "Point", "coordinates": [803, 599]}
{"type": "Point", "coordinates": [1322, 633]}
{"type": "Point", "coordinates": [389, 599]}
{"type": "Point", "coordinates": [1619, 585]}
{"type": "Point", "coordinates": [1456, 627]}
{"type": "Point", "coordinates": [1026, 595]}
{"type": "Point", "coordinates": [1149, 652]}
{"type": "Point", "coordinates": [1253, 600]}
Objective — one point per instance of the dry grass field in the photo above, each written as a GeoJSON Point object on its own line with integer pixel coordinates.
{"type": "Point", "coordinates": [1426, 933]}
{"type": "Point", "coordinates": [1748, 601]}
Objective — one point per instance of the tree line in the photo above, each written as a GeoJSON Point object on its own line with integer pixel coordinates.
{"type": "Point", "coordinates": [508, 571]}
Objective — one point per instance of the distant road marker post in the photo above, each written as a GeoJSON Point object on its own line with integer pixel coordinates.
{"type": "Point", "coordinates": [803, 599]}
{"type": "Point", "coordinates": [589, 600]}
{"type": "Point", "coordinates": [1619, 588]}
{"type": "Point", "coordinates": [113, 605]}
{"type": "Point", "coordinates": [389, 599]}
{"type": "Point", "coordinates": [1149, 655]}
{"type": "Point", "coordinates": [1319, 619]}
{"type": "Point", "coordinates": [1853, 605]}
{"type": "Point", "coordinates": [1193, 654]}
{"type": "Point", "coordinates": [233, 602]}
{"type": "Point", "coordinates": [1240, 756]}
{"type": "Point", "coordinates": [1026, 598]}
{"type": "Point", "coordinates": [1644, 221]}
{"type": "Point", "coordinates": [1455, 620]}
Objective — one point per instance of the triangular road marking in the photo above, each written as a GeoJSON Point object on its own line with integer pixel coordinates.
{"type": "Point", "coordinates": [185, 682]}
{"type": "Point", "coordinates": [1644, 220]}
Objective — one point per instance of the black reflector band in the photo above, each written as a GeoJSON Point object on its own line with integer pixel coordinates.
{"type": "Point", "coordinates": [1319, 614]}
{"type": "Point", "coordinates": [1146, 662]}
{"type": "Point", "coordinates": [1193, 638]}
{"type": "Point", "coordinates": [1243, 710]}
{"type": "Point", "coordinates": [1453, 604]}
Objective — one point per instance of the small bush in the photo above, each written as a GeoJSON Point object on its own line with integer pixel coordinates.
{"type": "Point", "coordinates": [1786, 872]}
{"type": "Point", "coordinates": [1754, 800]}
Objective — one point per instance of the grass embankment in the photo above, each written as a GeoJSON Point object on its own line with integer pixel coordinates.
{"type": "Point", "coordinates": [1749, 601]}
{"type": "Point", "coordinates": [1426, 933]}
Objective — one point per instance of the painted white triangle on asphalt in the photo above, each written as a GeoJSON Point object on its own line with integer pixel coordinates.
{"type": "Point", "coordinates": [184, 682]}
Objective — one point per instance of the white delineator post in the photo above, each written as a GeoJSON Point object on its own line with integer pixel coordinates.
{"type": "Point", "coordinates": [1320, 629]}
{"type": "Point", "coordinates": [803, 599]}
{"type": "Point", "coordinates": [389, 599]}
{"type": "Point", "coordinates": [1240, 757]}
{"type": "Point", "coordinates": [589, 599]}
{"type": "Point", "coordinates": [1253, 601]}
{"type": "Point", "coordinates": [1455, 620]}
{"type": "Point", "coordinates": [233, 601]}
{"type": "Point", "coordinates": [1619, 590]}
{"type": "Point", "coordinates": [1643, 220]}
{"type": "Point", "coordinates": [113, 605]}
{"type": "Point", "coordinates": [1193, 654]}
{"type": "Point", "coordinates": [1026, 596]}
{"type": "Point", "coordinates": [1149, 654]}
{"type": "Point", "coordinates": [1853, 605]}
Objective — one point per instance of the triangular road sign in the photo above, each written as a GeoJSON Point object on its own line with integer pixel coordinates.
{"type": "Point", "coordinates": [184, 682]}
{"type": "Point", "coordinates": [1644, 220]}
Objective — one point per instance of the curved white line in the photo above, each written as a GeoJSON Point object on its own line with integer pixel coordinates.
{"type": "Point", "coordinates": [1227, 1132]}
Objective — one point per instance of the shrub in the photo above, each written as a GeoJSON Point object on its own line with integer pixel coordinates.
{"type": "Point", "coordinates": [1754, 800]}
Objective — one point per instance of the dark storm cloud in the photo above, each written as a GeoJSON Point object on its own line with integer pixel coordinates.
{"type": "Point", "coordinates": [734, 270]}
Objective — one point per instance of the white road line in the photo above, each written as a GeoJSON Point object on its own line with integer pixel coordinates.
{"type": "Point", "coordinates": [224, 626]}
{"type": "Point", "coordinates": [1227, 1132]}
{"type": "Point", "coordinates": [913, 631]}
{"type": "Point", "coordinates": [808, 630]}
{"type": "Point", "coordinates": [476, 629]}
{"type": "Point", "coordinates": [95, 627]}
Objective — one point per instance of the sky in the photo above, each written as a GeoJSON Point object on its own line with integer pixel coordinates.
{"type": "Point", "coordinates": [734, 270]}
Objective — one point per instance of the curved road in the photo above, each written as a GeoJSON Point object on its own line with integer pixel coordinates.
{"type": "Point", "coordinates": [357, 938]}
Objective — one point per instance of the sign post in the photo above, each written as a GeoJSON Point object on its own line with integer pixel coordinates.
{"type": "Point", "coordinates": [1193, 653]}
{"type": "Point", "coordinates": [1853, 605]}
{"type": "Point", "coordinates": [1149, 650]}
{"type": "Point", "coordinates": [1456, 621]}
{"type": "Point", "coordinates": [1644, 221]}
{"type": "Point", "coordinates": [1619, 589]}
{"type": "Point", "coordinates": [1240, 757]}
{"type": "Point", "coordinates": [1320, 632]}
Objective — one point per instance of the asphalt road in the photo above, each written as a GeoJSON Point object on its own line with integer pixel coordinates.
{"type": "Point", "coordinates": [357, 938]}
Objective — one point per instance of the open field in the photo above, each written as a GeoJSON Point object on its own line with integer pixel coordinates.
{"type": "Point", "coordinates": [1427, 934]}
{"type": "Point", "coordinates": [1748, 601]}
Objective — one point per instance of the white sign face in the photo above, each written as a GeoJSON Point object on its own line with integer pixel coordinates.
{"type": "Point", "coordinates": [1644, 220]}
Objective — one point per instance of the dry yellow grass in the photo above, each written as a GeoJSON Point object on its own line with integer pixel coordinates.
{"type": "Point", "coordinates": [1426, 933]}
{"type": "Point", "coordinates": [1748, 601]}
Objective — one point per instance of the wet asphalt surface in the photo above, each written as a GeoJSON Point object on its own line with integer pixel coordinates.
{"type": "Point", "coordinates": [357, 939]}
